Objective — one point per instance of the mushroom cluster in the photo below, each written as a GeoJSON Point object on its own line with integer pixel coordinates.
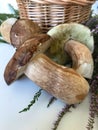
{"type": "Point", "coordinates": [43, 57]}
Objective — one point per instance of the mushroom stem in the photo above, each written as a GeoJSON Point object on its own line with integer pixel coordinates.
{"type": "Point", "coordinates": [81, 57]}
{"type": "Point", "coordinates": [62, 82]}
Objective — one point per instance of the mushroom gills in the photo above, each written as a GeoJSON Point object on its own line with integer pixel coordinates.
{"type": "Point", "coordinates": [64, 32]}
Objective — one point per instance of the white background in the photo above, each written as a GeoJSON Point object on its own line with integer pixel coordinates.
{"type": "Point", "coordinates": [4, 5]}
{"type": "Point", "coordinates": [15, 97]}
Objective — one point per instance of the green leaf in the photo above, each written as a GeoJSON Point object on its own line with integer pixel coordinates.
{"type": "Point", "coordinates": [15, 11]}
{"type": "Point", "coordinates": [1, 40]}
{"type": "Point", "coordinates": [4, 16]}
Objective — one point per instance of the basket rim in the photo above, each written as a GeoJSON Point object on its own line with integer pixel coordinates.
{"type": "Point", "coordinates": [60, 2]}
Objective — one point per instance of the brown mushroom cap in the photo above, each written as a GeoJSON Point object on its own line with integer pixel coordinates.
{"type": "Point", "coordinates": [22, 30]}
{"type": "Point", "coordinates": [23, 55]}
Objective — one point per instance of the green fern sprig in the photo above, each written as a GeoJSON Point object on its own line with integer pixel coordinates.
{"type": "Point", "coordinates": [51, 101]}
{"type": "Point", "coordinates": [35, 98]}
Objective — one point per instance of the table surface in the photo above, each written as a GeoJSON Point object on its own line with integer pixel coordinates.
{"type": "Point", "coordinates": [15, 97]}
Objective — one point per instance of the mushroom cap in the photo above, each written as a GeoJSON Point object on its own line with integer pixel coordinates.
{"type": "Point", "coordinates": [22, 30]}
{"type": "Point", "coordinates": [62, 33]}
{"type": "Point", "coordinates": [5, 28]}
{"type": "Point", "coordinates": [23, 55]}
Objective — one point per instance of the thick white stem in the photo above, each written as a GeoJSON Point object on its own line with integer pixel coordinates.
{"type": "Point", "coordinates": [81, 58]}
{"type": "Point", "coordinates": [62, 82]}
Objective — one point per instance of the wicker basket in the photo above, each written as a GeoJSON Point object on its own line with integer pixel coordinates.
{"type": "Point", "coordinates": [49, 13]}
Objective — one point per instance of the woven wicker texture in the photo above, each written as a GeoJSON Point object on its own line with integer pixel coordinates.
{"type": "Point", "coordinates": [49, 13]}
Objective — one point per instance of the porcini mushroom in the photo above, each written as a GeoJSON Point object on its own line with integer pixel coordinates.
{"type": "Point", "coordinates": [62, 82]}
{"type": "Point", "coordinates": [19, 30]}
{"type": "Point", "coordinates": [81, 57]}
{"type": "Point", "coordinates": [23, 55]}
{"type": "Point", "coordinates": [64, 32]}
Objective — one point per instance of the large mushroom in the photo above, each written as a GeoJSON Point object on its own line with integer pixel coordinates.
{"type": "Point", "coordinates": [60, 81]}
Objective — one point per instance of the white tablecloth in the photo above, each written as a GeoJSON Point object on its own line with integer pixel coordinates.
{"type": "Point", "coordinates": [15, 97]}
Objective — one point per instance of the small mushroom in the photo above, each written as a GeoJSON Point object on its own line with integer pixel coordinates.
{"type": "Point", "coordinates": [23, 55]}
{"type": "Point", "coordinates": [62, 82]}
{"type": "Point", "coordinates": [64, 32]}
{"type": "Point", "coordinates": [81, 57]}
{"type": "Point", "coordinates": [19, 30]}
